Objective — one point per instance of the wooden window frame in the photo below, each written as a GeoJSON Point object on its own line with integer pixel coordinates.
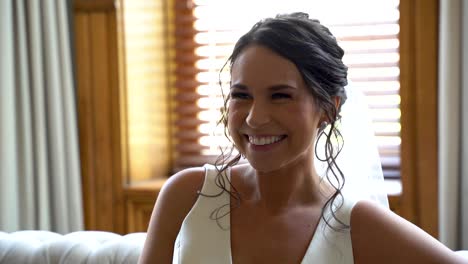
{"type": "Point", "coordinates": [418, 77]}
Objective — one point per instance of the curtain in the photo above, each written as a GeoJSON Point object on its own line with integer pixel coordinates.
{"type": "Point", "coordinates": [40, 184]}
{"type": "Point", "coordinates": [453, 126]}
{"type": "Point", "coordinates": [464, 125]}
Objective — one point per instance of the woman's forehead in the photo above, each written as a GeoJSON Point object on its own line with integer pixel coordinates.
{"type": "Point", "coordinates": [257, 63]}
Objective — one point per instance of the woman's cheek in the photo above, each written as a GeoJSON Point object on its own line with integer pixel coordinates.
{"type": "Point", "coordinates": [234, 124]}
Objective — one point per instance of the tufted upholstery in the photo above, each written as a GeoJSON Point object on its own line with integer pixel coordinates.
{"type": "Point", "coordinates": [84, 247]}
{"type": "Point", "coordinates": [79, 247]}
{"type": "Point", "coordinates": [463, 253]}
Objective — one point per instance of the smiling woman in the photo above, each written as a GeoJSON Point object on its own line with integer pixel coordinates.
{"type": "Point", "coordinates": [287, 80]}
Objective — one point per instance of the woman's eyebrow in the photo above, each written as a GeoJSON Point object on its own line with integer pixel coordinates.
{"type": "Point", "coordinates": [279, 87]}
{"type": "Point", "coordinates": [272, 88]}
{"type": "Point", "coordinates": [239, 86]}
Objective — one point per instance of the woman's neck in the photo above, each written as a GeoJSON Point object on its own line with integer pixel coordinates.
{"type": "Point", "coordinates": [290, 186]}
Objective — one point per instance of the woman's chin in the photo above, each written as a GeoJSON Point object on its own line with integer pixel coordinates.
{"type": "Point", "coordinates": [264, 165]}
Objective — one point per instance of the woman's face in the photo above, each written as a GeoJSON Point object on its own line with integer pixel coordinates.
{"type": "Point", "coordinates": [272, 118]}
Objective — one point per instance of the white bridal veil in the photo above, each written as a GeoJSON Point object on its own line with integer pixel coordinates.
{"type": "Point", "coordinates": [359, 159]}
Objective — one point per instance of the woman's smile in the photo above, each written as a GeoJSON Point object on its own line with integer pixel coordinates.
{"type": "Point", "coordinates": [264, 143]}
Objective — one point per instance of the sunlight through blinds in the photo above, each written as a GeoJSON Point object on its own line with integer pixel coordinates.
{"type": "Point", "coordinates": [146, 89]}
{"type": "Point", "coordinates": [366, 29]}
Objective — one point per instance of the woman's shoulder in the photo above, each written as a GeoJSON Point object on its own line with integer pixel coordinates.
{"type": "Point", "coordinates": [190, 179]}
{"type": "Point", "coordinates": [174, 201]}
{"type": "Point", "coordinates": [180, 191]}
{"type": "Point", "coordinates": [380, 236]}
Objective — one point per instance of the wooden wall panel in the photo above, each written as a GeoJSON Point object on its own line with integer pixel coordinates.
{"type": "Point", "coordinates": [408, 118]}
{"type": "Point", "coordinates": [102, 113]}
{"type": "Point", "coordinates": [85, 109]}
{"type": "Point", "coordinates": [84, 6]}
{"type": "Point", "coordinates": [395, 203]}
{"type": "Point", "coordinates": [426, 16]}
{"type": "Point", "coordinates": [139, 213]}
{"type": "Point", "coordinates": [99, 115]}
{"type": "Point", "coordinates": [140, 202]}
{"type": "Point", "coordinates": [418, 65]}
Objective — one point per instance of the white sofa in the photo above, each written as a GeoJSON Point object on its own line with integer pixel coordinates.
{"type": "Point", "coordinates": [84, 247]}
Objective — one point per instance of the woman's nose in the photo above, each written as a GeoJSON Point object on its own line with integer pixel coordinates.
{"type": "Point", "coordinates": [258, 115]}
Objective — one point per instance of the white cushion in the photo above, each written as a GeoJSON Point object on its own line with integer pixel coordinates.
{"type": "Point", "coordinates": [463, 253]}
{"type": "Point", "coordinates": [78, 247]}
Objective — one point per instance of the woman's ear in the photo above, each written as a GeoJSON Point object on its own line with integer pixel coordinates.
{"type": "Point", "coordinates": [337, 100]}
{"type": "Point", "coordinates": [324, 120]}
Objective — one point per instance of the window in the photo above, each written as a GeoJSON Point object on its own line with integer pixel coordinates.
{"type": "Point", "coordinates": [207, 30]}
{"type": "Point", "coordinates": [145, 94]}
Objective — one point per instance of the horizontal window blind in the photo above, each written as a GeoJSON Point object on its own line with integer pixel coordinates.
{"type": "Point", "coordinates": [206, 31]}
{"type": "Point", "coordinates": [145, 96]}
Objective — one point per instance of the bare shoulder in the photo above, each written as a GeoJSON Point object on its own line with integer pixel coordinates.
{"type": "Point", "coordinates": [381, 236]}
{"type": "Point", "coordinates": [176, 198]}
{"type": "Point", "coordinates": [179, 192]}
{"type": "Point", "coordinates": [190, 180]}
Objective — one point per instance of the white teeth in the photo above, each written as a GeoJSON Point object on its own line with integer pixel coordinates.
{"type": "Point", "coordinates": [264, 140]}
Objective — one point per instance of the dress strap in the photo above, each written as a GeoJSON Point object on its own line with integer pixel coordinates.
{"type": "Point", "coordinates": [208, 221]}
{"type": "Point", "coordinates": [210, 186]}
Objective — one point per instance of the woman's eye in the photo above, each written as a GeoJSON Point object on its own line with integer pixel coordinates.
{"type": "Point", "coordinates": [238, 95]}
{"type": "Point", "coordinates": [281, 96]}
